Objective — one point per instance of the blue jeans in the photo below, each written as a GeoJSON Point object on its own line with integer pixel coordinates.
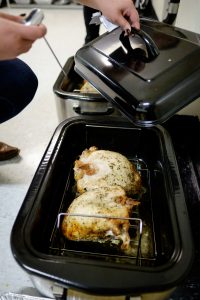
{"type": "Point", "coordinates": [18, 85]}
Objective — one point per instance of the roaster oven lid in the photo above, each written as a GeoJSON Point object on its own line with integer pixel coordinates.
{"type": "Point", "coordinates": [149, 75]}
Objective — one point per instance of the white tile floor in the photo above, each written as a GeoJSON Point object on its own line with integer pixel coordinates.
{"type": "Point", "coordinates": [32, 129]}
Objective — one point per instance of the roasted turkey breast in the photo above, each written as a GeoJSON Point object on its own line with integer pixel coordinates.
{"type": "Point", "coordinates": [99, 168]}
{"type": "Point", "coordinates": [88, 88]}
{"type": "Point", "coordinates": [105, 201]}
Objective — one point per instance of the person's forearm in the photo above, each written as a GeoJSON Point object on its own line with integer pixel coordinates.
{"type": "Point", "coordinates": [90, 3]}
{"type": "Point", "coordinates": [96, 4]}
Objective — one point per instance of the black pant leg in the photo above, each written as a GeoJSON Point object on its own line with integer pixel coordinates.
{"type": "Point", "coordinates": [92, 31]}
{"type": "Point", "coordinates": [18, 85]}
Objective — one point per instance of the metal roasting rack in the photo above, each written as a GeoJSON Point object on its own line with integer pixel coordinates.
{"type": "Point", "coordinates": [137, 226]}
{"type": "Point", "coordinates": [61, 246]}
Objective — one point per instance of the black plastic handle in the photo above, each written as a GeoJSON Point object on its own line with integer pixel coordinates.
{"type": "Point", "coordinates": [152, 49]}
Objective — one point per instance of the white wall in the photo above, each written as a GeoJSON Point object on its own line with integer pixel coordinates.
{"type": "Point", "coordinates": [160, 8]}
{"type": "Point", "coordinates": [189, 15]}
{"type": "Point", "coordinates": [188, 18]}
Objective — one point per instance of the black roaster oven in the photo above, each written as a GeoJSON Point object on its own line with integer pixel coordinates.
{"type": "Point", "coordinates": [148, 76]}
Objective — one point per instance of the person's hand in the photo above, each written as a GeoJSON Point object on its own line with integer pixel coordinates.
{"type": "Point", "coordinates": [17, 38]}
{"type": "Point", "coordinates": [120, 12]}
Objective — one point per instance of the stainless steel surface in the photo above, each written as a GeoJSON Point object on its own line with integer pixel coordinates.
{"type": "Point", "coordinates": [67, 108]}
{"type": "Point", "coordinates": [35, 17]}
{"type": "Point", "coordinates": [14, 296]}
{"type": "Point", "coordinates": [71, 101]}
{"type": "Point", "coordinates": [74, 295]}
{"type": "Point", "coordinates": [49, 289]}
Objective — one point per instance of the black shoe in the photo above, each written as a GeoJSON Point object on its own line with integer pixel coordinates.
{"type": "Point", "coordinates": [7, 151]}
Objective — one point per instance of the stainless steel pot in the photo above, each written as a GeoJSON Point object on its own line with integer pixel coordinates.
{"type": "Point", "coordinates": [50, 289]}
{"type": "Point", "coordinates": [70, 102]}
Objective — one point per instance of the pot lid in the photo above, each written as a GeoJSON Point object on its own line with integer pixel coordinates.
{"type": "Point", "coordinates": [149, 75]}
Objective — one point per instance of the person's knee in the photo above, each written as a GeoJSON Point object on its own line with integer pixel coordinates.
{"type": "Point", "coordinates": [30, 86]}
{"type": "Point", "coordinates": [25, 87]}
{"type": "Point", "coordinates": [17, 89]}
